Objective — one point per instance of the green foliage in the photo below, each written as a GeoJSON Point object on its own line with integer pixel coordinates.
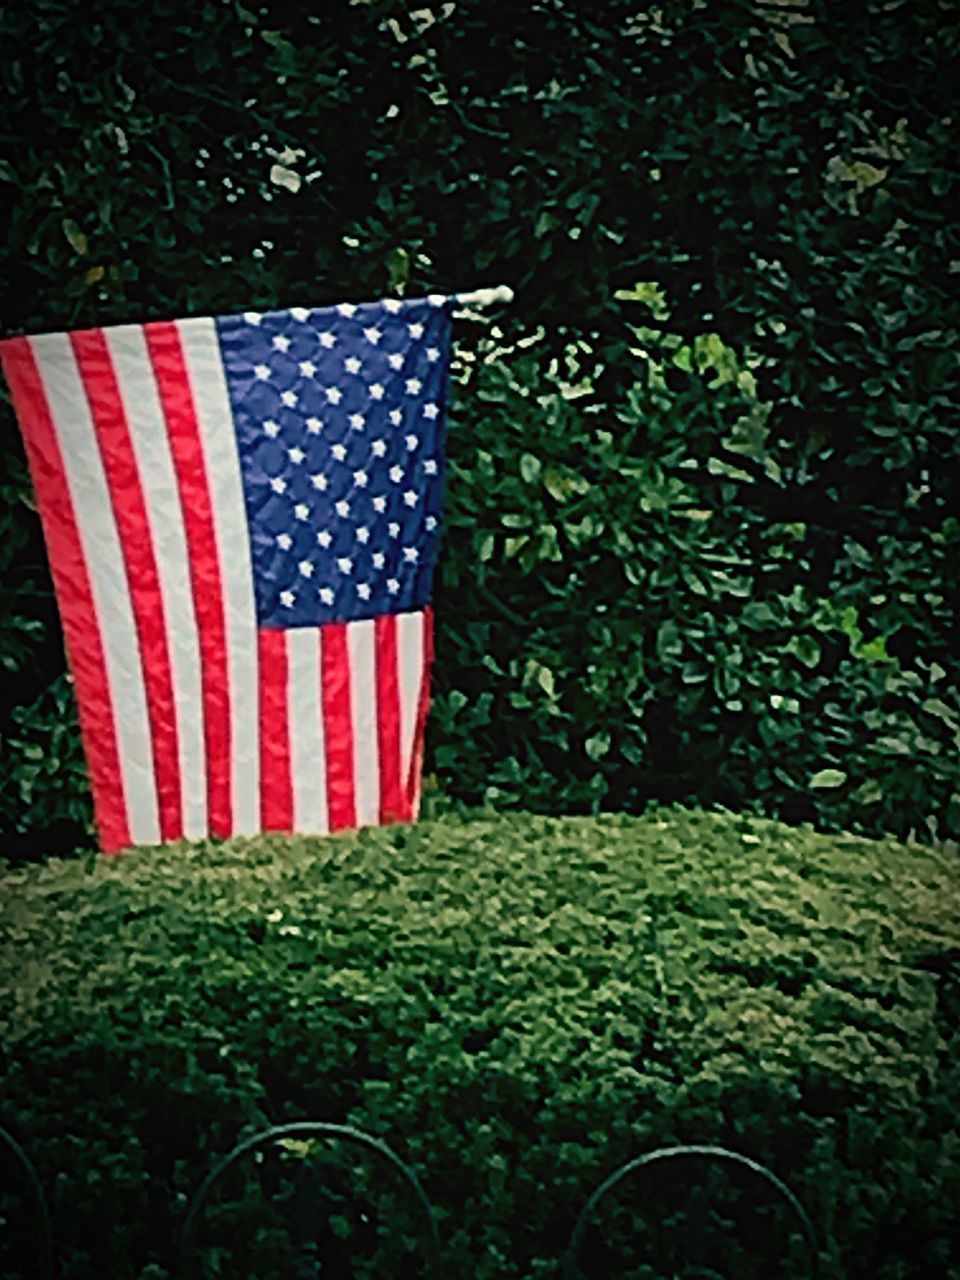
{"type": "Point", "coordinates": [660, 610]}
{"type": "Point", "coordinates": [43, 780]}
{"type": "Point", "coordinates": [782, 185]}
{"type": "Point", "coordinates": [515, 1005]}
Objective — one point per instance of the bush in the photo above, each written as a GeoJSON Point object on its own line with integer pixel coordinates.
{"type": "Point", "coordinates": [641, 599]}
{"type": "Point", "coordinates": [516, 1005]}
{"type": "Point", "coordinates": [785, 175]}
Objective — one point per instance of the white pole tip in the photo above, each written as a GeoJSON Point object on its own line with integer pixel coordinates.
{"type": "Point", "coordinates": [486, 297]}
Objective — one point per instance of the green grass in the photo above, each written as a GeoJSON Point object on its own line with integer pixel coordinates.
{"type": "Point", "coordinates": [516, 1004]}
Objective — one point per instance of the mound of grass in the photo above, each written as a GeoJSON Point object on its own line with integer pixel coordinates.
{"type": "Point", "coordinates": [516, 1005]}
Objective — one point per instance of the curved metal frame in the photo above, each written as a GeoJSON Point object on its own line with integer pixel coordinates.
{"type": "Point", "coordinates": [301, 1129]}
{"type": "Point", "coordinates": [571, 1268]}
{"type": "Point", "coordinates": [46, 1231]}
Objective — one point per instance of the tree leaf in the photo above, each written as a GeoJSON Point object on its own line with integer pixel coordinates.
{"type": "Point", "coordinates": [75, 237]}
{"type": "Point", "coordinates": [826, 778]}
{"type": "Point", "coordinates": [530, 468]}
{"type": "Point", "coordinates": [289, 179]}
{"type": "Point", "coordinates": [597, 746]}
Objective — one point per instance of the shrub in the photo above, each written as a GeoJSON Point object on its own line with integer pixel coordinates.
{"type": "Point", "coordinates": [516, 1005]}
{"type": "Point", "coordinates": [642, 598]}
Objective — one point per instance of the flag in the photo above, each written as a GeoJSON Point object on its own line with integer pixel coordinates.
{"type": "Point", "coordinates": [241, 515]}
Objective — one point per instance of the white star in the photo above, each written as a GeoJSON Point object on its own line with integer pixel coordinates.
{"type": "Point", "coordinates": [411, 442]}
{"type": "Point", "coordinates": [286, 599]}
{"type": "Point", "coordinates": [284, 541]}
{"type": "Point", "coordinates": [352, 364]}
{"type": "Point", "coordinates": [430, 410]}
{"type": "Point", "coordinates": [396, 416]}
{"type": "Point", "coordinates": [300, 313]}
{"type": "Point", "coordinates": [342, 507]}
{"type": "Point", "coordinates": [278, 484]}
{"type": "Point", "coordinates": [396, 474]}
{"type": "Point", "coordinates": [360, 479]}
{"type": "Point", "coordinates": [378, 559]}
{"type": "Point", "coordinates": [372, 335]}
{"type": "Point", "coordinates": [314, 426]}
{"type": "Point", "coordinates": [252, 317]}
{"type": "Point", "coordinates": [339, 451]}
{"type": "Point", "coordinates": [413, 386]}
{"type": "Point", "coordinates": [346, 308]}
{"type": "Point", "coordinates": [410, 497]}
{"type": "Point", "coordinates": [301, 511]}
{"type": "Point", "coordinates": [410, 554]}
{"type": "Point", "coordinates": [431, 523]}
{"type": "Point", "coordinates": [345, 564]}
{"type": "Point", "coordinates": [281, 342]}
{"type": "Point", "coordinates": [415, 330]}
{"type": "Point", "coordinates": [334, 395]}
{"type": "Point", "coordinates": [262, 371]}
{"type": "Point", "coordinates": [319, 481]}
{"type": "Point", "coordinates": [391, 304]}
{"type": "Point", "coordinates": [393, 586]}
{"type": "Point", "coordinates": [271, 428]}
{"type": "Point", "coordinates": [379, 448]}
{"type": "Point", "coordinates": [357, 421]}
{"type": "Point", "coordinates": [363, 590]}
{"type": "Point", "coordinates": [363, 534]}
{"type": "Point", "coordinates": [436, 299]}
{"type": "Point", "coordinates": [430, 467]}
{"type": "Point", "coordinates": [326, 595]}
{"type": "Point", "coordinates": [289, 398]}
{"type": "Point", "coordinates": [433, 354]}
{"type": "Point", "coordinates": [307, 368]}
{"type": "Point", "coordinates": [296, 455]}
{"type": "Point", "coordinates": [379, 504]}
{"type": "Point", "coordinates": [323, 538]}
{"type": "Point", "coordinates": [326, 339]}
{"type": "Point", "coordinates": [306, 569]}
{"type": "Point", "coordinates": [393, 529]}
{"type": "Point", "coordinates": [395, 361]}
{"type": "Point", "coordinates": [376, 391]}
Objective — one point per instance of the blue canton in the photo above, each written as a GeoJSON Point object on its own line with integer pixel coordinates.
{"type": "Point", "coordinates": [339, 415]}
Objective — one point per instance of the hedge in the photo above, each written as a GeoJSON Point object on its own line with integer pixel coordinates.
{"type": "Point", "coordinates": [516, 1005]}
{"type": "Point", "coordinates": [782, 177]}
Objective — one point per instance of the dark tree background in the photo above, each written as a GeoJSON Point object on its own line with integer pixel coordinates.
{"type": "Point", "coordinates": [703, 536]}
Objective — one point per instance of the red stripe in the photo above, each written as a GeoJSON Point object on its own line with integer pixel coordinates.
{"type": "Point", "coordinates": [393, 806]}
{"type": "Point", "coordinates": [276, 779]}
{"type": "Point", "coordinates": [143, 580]}
{"type": "Point", "coordinates": [416, 755]}
{"type": "Point", "coordinates": [173, 385]}
{"type": "Point", "coordinates": [74, 595]}
{"type": "Point", "coordinates": [337, 726]}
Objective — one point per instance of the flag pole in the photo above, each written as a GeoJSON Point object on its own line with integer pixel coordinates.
{"type": "Point", "coordinates": [485, 297]}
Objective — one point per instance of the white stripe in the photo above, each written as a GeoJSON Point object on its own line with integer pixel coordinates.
{"type": "Point", "coordinates": [308, 766]}
{"type": "Point", "coordinates": [148, 433]}
{"type": "Point", "coordinates": [410, 662]}
{"type": "Point", "coordinates": [362, 659]}
{"type": "Point", "coordinates": [201, 350]}
{"type": "Point", "coordinates": [108, 579]}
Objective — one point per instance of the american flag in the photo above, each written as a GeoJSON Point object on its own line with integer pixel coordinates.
{"type": "Point", "coordinates": [241, 515]}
